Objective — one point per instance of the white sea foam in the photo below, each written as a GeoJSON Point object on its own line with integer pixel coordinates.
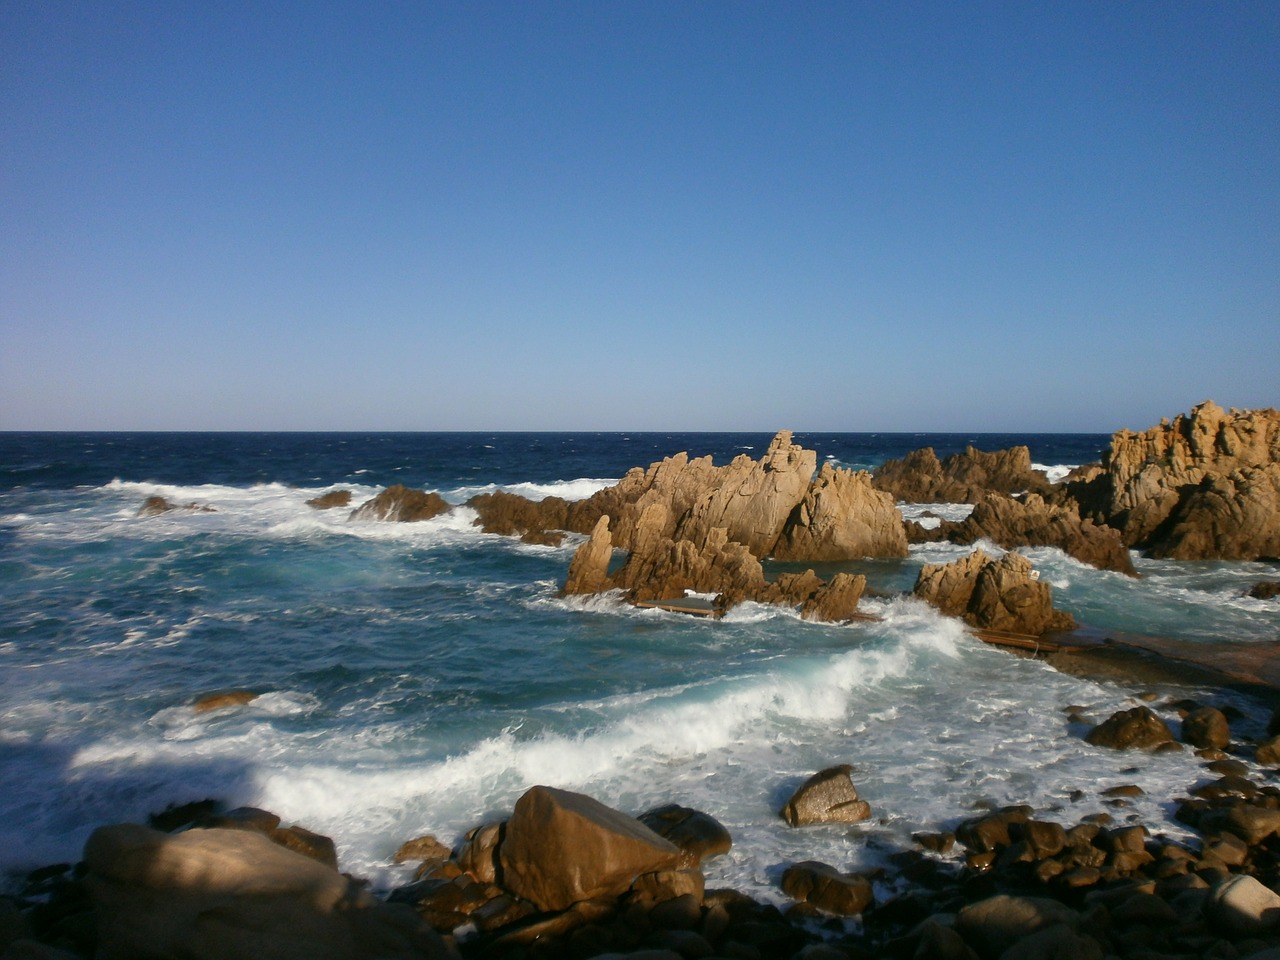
{"type": "Point", "coordinates": [929, 515]}
{"type": "Point", "coordinates": [1055, 473]}
{"type": "Point", "coordinates": [579, 489]}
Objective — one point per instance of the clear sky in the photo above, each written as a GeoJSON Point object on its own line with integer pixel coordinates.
{"type": "Point", "coordinates": [634, 214]}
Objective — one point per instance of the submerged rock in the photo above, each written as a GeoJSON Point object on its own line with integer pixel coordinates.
{"type": "Point", "coordinates": [401, 503]}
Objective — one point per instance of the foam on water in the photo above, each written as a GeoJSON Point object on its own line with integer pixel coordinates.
{"type": "Point", "coordinates": [579, 489]}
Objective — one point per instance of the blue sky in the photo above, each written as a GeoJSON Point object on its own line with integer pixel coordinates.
{"type": "Point", "coordinates": [637, 215]}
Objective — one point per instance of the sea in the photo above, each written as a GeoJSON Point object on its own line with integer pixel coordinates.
{"type": "Point", "coordinates": [417, 678]}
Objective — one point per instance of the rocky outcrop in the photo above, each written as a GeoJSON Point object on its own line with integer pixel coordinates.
{"type": "Point", "coordinates": [990, 594]}
{"type": "Point", "coordinates": [1031, 522]}
{"type": "Point", "coordinates": [1204, 486]}
{"type": "Point", "coordinates": [966, 477]}
{"type": "Point", "coordinates": [155, 505]}
{"type": "Point", "coordinates": [589, 568]}
{"type": "Point", "coordinates": [671, 568]}
{"type": "Point", "coordinates": [842, 517]}
{"type": "Point", "coordinates": [401, 503]}
{"type": "Point", "coordinates": [561, 848]}
{"type": "Point", "coordinates": [829, 796]}
{"type": "Point", "coordinates": [533, 521]}
{"type": "Point", "coordinates": [232, 893]}
{"type": "Point", "coordinates": [752, 500]}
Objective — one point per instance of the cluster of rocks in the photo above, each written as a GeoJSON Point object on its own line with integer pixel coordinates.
{"type": "Point", "coordinates": [155, 505]}
{"type": "Point", "coordinates": [567, 876]}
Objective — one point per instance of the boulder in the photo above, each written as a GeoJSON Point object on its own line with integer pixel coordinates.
{"type": "Point", "coordinates": [1265, 590]}
{"type": "Point", "coordinates": [992, 594]}
{"type": "Point", "coordinates": [154, 505]}
{"type": "Point", "coordinates": [1031, 522]}
{"type": "Point", "coordinates": [422, 848]}
{"type": "Point", "coordinates": [835, 601]}
{"type": "Point", "coordinates": [697, 834]}
{"type": "Point", "coordinates": [961, 478]}
{"type": "Point", "coordinates": [994, 925]}
{"type": "Point", "coordinates": [829, 796]}
{"type": "Point", "coordinates": [1137, 728]}
{"type": "Point", "coordinates": [400, 503]}
{"type": "Point", "coordinates": [1204, 486]}
{"type": "Point", "coordinates": [1207, 728]}
{"type": "Point", "coordinates": [842, 517]}
{"type": "Point", "coordinates": [1242, 906]}
{"type": "Point", "coordinates": [221, 894]}
{"type": "Point", "coordinates": [825, 887]}
{"type": "Point", "coordinates": [560, 848]}
{"type": "Point", "coordinates": [753, 500]}
{"type": "Point", "coordinates": [327, 501]}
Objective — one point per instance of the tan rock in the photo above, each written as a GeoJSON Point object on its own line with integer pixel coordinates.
{"type": "Point", "coordinates": [837, 600]}
{"type": "Point", "coordinates": [327, 501]}
{"type": "Point", "coordinates": [961, 478]}
{"type": "Point", "coordinates": [220, 701]}
{"type": "Point", "coordinates": [217, 894]}
{"type": "Point", "coordinates": [589, 568]}
{"type": "Point", "coordinates": [752, 500]}
{"type": "Point", "coordinates": [992, 594]}
{"type": "Point", "coordinates": [842, 517]}
{"type": "Point", "coordinates": [561, 848]}
{"type": "Point", "coordinates": [844, 894]}
{"type": "Point", "coordinates": [1137, 728]}
{"type": "Point", "coordinates": [508, 514]}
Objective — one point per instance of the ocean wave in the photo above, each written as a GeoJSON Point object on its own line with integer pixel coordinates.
{"type": "Point", "coordinates": [579, 489]}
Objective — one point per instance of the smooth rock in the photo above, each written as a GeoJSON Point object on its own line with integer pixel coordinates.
{"type": "Point", "coordinates": [1243, 907]}
{"type": "Point", "coordinates": [825, 887]}
{"type": "Point", "coordinates": [1137, 728]}
{"type": "Point", "coordinates": [829, 796]}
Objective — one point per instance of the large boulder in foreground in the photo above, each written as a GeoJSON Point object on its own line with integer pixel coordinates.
{"type": "Point", "coordinates": [842, 517]}
{"type": "Point", "coordinates": [222, 894]}
{"type": "Point", "coordinates": [401, 503]}
{"type": "Point", "coordinates": [1001, 595]}
{"type": "Point", "coordinates": [560, 848]}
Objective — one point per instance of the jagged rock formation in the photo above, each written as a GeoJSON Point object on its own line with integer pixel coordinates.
{"type": "Point", "coordinates": [1031, 522]}
{"type": "Point", "coordinates": [401, 503]}
{"type": "Point", "coordinates": [1206, 486]}
{"type": "Point", "coordinates": [842, 517]}
{"type": "Point", "coordinates": [920, 477]}
{"type": "Point", "coordinates": [992, 594]}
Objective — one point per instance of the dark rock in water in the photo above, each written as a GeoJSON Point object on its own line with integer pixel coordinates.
{"type": "Point", "coordinates": [844, 894]}
{"type": "Point", "coordinates": [217, 701]}
{"type": "Point", "coordinates": [327, 501]}
{"type": "Point", "coordinates": [698, 834]}
{"type": "Point", "coordinates": [314, 845]}
{"type": "Point", "coordinates": [1265, 590]}
{"type": "Point", "coordinates": [400, 503]}
{"type": "Point", "coordinates": [508, 514]}
{"type": "Point", "coordinates": [561, 847]}
{"type": "Point", "coordinates": [243, 818]}
{"type": "Point", "coordinates": [214, 894]}
{"type": "Point", "coordinates": [156, 505]}
{"type": "Point", "coordinates": [1207, 728]}
{"type": "Point", "coordinates": [1137, 728]}
{"type": "Point", "coordinates": [829, 796]}
{"type": "Point", "coordinates": [992, 594]}
{"type": "Point", "coordinates": [173, 817]}
{"type": "Point", "coordinates": [961, 478]}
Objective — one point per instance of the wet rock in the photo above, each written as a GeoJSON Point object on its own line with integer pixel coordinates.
{"type": "Point", "coordinates": [330, 500]}
{"type": "Point", "coordinates": [219, 701]}
{"type": "Point", "coordinates": [561, 847]}
{"type": "Point", "coordinates": [422, 848]}
{"type": "Point", "coordinates": [1267, 753]}
{"type": "Point", "coordinates": [823, 886]}
{"type": "Point", "coordinates": [1135, 729]}
{"type": "Point", "coordinates": [829, 796]}
{"type": "Point", "coordinates": [698, 834]}
{"type": "Point", "coordinates": [478, 855]}
{"type": "Point", "coordinates": [233, 893]}
{"type": "Point", "coordinates": [835, 601]}
{"type": "Point", "coordinates": [1265, 590]}
{"type": "Point", "coordinates": [308, 843]}
{"type": "Point", "coordinates": [534, 521]}
{"type": "Point", "coordinates": [402, 504]}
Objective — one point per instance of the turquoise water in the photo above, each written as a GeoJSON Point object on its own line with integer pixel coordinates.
{"type": "Point", "coordinates": [416, 678]}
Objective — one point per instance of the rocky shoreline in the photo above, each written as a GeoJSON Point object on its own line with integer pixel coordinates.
{"type": "Point", "coordinates": [563, 875]}
{"type": "Point", "coordinates": [566, 876]}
